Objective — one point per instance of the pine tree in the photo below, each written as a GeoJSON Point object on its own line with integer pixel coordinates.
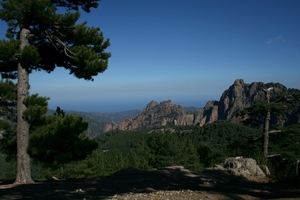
{"type": "Point", "coordinates": [263, 109]}
{"type": "Point", "coordinates": [8, 118]}
{"type": "Point", "coordinates": [54, 140]}
{"type": "Point", "coordinates": [36, 108]}
{"type": "Point", "coordinates": [41, 39]}
{"type": "Point", "coordinates": [61, 139]}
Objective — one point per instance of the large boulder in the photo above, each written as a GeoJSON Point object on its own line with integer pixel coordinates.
{"type": "Point", "coordinates": [246, 167]}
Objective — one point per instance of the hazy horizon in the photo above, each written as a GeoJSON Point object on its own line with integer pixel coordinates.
{"type": "Point", "coordinates": [117, 106]}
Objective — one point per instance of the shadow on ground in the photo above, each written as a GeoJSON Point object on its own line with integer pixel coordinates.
{"type": "Point", "coordinates": [137, 181]}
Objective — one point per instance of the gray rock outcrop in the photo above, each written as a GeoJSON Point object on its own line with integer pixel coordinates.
{"type": "Point", "coordinates": [243, 167]}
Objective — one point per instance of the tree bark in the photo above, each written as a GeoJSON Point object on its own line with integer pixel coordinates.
{"type": "Point", "coordinates": [23, 159]}
{"type": "Point", "coordinates": [266, 134]}
{"type": "Point", "coordinates": [266, 124]}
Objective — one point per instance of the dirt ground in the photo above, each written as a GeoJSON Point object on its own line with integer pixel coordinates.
{"type": "Point", "coordinates": [169, 183]}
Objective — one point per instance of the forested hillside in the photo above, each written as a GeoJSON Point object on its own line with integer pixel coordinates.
{"type": "Point", "coordinates": [194, 147]}
{"type": "Point", "coordinates": [214, 142]}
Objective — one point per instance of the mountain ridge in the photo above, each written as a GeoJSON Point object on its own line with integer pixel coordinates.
{"type": "Point", "coordinates": [238, 96]}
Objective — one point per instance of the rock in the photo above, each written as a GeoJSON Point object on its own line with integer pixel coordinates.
{"type": "Point", "coordinates": [265, 169]}
{"type": "Point", "coordinates": [260, 172]}
{"type": "Point", "coordinates": [219, 167]}
{"type": "Point", "coordinates": [187, 119]}
{"type": "Point", "coordinates": [126, 124]}
{"type": "Point", "coordinates": [151, 105]}
{"type": "Point", "coordinates": [206, 115]}
{"type": "Point", "coordinates": [110, 126]}
{"type": "Point", "coordinates": [243, 167]}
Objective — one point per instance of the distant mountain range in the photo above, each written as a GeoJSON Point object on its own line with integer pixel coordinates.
{"type": "Point", "coordinates": [237, 97]}
{"type": "Point", "coordinates": [98, 121]}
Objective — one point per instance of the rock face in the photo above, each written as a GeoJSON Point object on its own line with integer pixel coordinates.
{"type": "Point", "coordinates": [206, 115]}
{"type": "Point", "coordinates": [237, 97]}
{"type": "Point", "coordinates": [155, 114]}
{"type": "Point", "coordinates": [110, 126]}
{"type": "Point", "coordinates": [241, 95]}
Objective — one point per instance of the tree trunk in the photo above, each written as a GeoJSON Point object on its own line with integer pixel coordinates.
{"type": "Point", "coordinates": [267, 123]}
{"type": "Point", "coordinates": [23, 159]}
{"type": "Point", "coordinates": [266, 134]}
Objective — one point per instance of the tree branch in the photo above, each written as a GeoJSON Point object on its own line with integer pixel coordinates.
{"type": "Point", "coordinates": [274, 155]}
{"type": "Point", "coordinates": [66, 48]}
{"type": "Point", "coordinates": [275, 131]}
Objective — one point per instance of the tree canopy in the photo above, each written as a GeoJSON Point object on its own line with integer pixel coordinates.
{"type": "Point", "coordinates": [8, 118]}
{"type": "Point", "coordinates": [86, 5]}
{"type": "Point", "coordinates": [61, 139]}
{"type": "Point", "coordinates": [54, 139]}
{"type": "Point", "coordinates": [55, 40]}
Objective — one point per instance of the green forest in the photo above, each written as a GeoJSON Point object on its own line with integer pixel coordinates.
{"type": "Point", "coordinates": [195, 148]}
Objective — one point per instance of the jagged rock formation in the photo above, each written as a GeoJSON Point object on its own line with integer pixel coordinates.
{"type": "Point", "coordinates": [110, 126]}
{"type": "Point", "coordinates": [241, 95]}
{"type": "Point", "coordinates": [154, 114]}
{"type": "Point", "coordinates": [206, 115]}
{"type": "Point", "coordinates": [237, 97]}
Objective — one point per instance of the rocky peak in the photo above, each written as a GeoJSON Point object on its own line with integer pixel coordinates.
{"type": "Point", "coordinates": [153, 114]}
{"type": "Point", "coordinates": [237, 97]}
{"type": "Point", "coordinates": [150, 105]}
{"type": "Point", "coordinates": [241, 95]}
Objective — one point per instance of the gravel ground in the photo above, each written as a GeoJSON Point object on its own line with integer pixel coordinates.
{"type": "Point", "coordinates": [169, 183]}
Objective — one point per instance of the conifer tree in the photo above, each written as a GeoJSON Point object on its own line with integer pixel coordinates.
{"type": "Point", "coordinates": [36, 108]}
{"type": "Point", "coordinates": [265, 108]}
{"type": "Point", "coordinates": [53, 140]}
{"type": "Point", "coordinates": [8, 118]}
{"type": "Point", "coordinates": [60, 139]}
{"type": "Point", "coordinates": [40, 38]}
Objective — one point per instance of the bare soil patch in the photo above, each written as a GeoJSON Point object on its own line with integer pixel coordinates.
{"type": "Point", "coordinates": [168, 183]}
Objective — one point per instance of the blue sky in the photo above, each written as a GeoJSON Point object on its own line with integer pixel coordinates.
{"type": "Point", "coordinates": [188, 51]}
